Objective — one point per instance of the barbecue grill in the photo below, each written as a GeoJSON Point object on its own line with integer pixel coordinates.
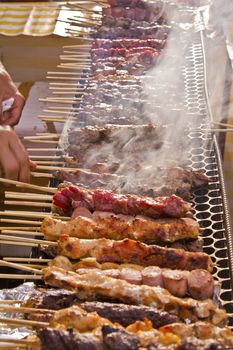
{"type": "Point", "coordinates": [210, 203]}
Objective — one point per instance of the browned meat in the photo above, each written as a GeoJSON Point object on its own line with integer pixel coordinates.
{"type": "Point", "coordinates": [90, 285]}
{"type": "Point", "coordinates": [129, 251]}
{"type": "Point", "coordinates": [197, 283]}
{"type": "Point", "coordinates": [118, 227]}
{"type": "Point", "coordinates": [103, 200]}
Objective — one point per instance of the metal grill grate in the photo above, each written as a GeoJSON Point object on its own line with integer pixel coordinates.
{"type": "Point", "coordinates": [210, 204]}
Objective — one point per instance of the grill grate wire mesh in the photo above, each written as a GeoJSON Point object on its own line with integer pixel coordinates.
{"type": "Point", "coordinates": [210, 204]}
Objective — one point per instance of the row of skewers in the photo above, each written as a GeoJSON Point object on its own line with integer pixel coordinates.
{"type": "Point", "coordinates": [129, 270]}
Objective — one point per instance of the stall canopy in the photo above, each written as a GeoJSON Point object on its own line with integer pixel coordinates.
{"type": "Point", "coordinates": [27, 18]}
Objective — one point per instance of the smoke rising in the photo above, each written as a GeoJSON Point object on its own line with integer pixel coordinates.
{"type": "Point", "coordinates": [170, 92]}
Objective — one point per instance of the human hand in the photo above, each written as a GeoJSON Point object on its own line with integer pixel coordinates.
{"type": "Point", "coordinates": [14, 160]}
{"type": "Point", "coordinates": [9, 90]}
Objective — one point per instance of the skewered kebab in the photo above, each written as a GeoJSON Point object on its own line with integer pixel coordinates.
{"type": "Point", "coordinates": [177, 180]}
{"type": "Point", "coordinates": [77, 328]}
{"type": "Point", "coordinates": [83, 322]}
{"type": "Point", "coordinates": [132, 252]}
{"type": "Point", "coordinates": [56, 299]}
{"type": "Point", "coordinates": [72, 197]}
{"type": "Point", "coordinates": [127, 43]}
{"type": "Point", "coordinates": [115, 337]}
{"type": "Point", "coordinates": [93, 284]}
{"type": "Point", "coordinates": [118, 227]}
{"type": "Point", "coordinates": [148, 13]}
{"type": "Point", "coordinates": [108, 101]}
{"type": "Point", "coordinates": [126, 22]}
{"type": "Point", "coordinates": [129, 3]}
{"type": "Point", "coordinates": [199, 284]}
{"type": "Point", "coordinates": [103, 113]}
{"type": "Point", "coordinates": [128, 138]}
{"type": "Point", "coordinates": [97, 54]}
{"type": "Point", "coordinates": [134, 64]}
{"type": "Point", "coordinates": [103, 90]}
{"type": "Point", "coordinates": [97, 134]}
{"type": "Point", "coordinates": [159, 32]}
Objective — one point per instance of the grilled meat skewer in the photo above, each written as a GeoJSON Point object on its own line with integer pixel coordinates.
{"type": "Point", "coordinates": [113, 337]}
{"type": "Point", "coordinates": [127, 43]}
{"type": "Point", "coordinates": [176, 180]}
{"type": "Point", "coordinates": [132, 252]}
{"type": "Point", "coordinates": [56, 299]}
{"type": "Point", "coordinates": [92, 284]}
{"type": "Point", "coordinates": [199, 284]}
{"type": "Point", "coordinates": [118, 227]}
{"type": "Point", "coordinates": [80, 321]}
{"type": "Point", "coordinates": [102, 200]}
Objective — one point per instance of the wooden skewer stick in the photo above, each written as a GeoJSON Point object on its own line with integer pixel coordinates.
{"type": "Point", "coordinates": [39, 161]}
{"type": "Point", "coordinates": [44, 149]}
{"type": "Point", "coordinates": [78, 59]}
{"type": "Point", "coordinates": [53, 120]}
{"type": "Point", "coordinates": [23, 228]}
{"type": "Point", "coordinates": [72, 93]}
{"type": "Point", "coordinates": [19, 232]}
{"type": "Point", "coordinates": [48, 176]}
{"type": "Point", "coordinates": [26, 260]}
{"type": "Point", "coordinates": [57, 88]}
{"type": "Point", "coordinates": [28, 323]}
{"type": "Point", "coordinates": [64, 114]}
{"type": "Point", "coordinates": [53, 116]}
{"type": "Point", "coordinates": [20, 240]}
{"type": "Point", "coordinates": [19, 267]}
{"type": "Point", "coordinates": [69, 66]}
{"type": "Point", "coordinates": [30, 214]}
{"type": "Point", "coordinates": [83, 21]}
{"type": "Point", "coordinates": [49, 162]}
{"type": "Point", "coordinates": [65, 84]}
{"type": "Point", "coordinates": [51, 142]}
{"type": "Point", "coordinates": [46, 167]}
{"type": "Point", "coordinates": [24, 310]}
{"type": "Point", "coordinates": [77, 78]}
{"type": "Point", "coordinates": [64, 108]}
{"type": "Point", "coordinates": [46, 133]}
{"type": "Point", "coordinates": [30, 204]}
{"type": "Point", "coordinates": [11, 301]}
{"type": "Point", "coordinates": [76, 46]}
{"type": "Point", "coordinates": [42, 137]}
{"type": "Point", "coordinates": [63, 101]}
{"type": "Point", "coordinates": [65, 73]}
{"type": "Point", "coordinates": [26, 185]}
{"type": "Point", "coordinates": [24, 222]}
{"type": "Point", "coordinates": [36, 196]}
{"type": "Point", "coordinates": [20, 276]}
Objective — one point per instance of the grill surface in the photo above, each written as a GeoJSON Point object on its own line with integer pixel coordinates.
{"type": "Point", "coordinates": [210, 204]}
